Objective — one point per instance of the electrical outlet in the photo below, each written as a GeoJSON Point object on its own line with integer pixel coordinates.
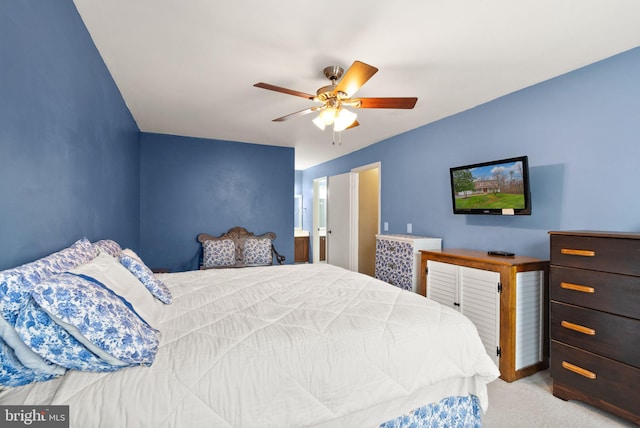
{"type": "Point", "coordinates": [386, 226]}
{"type": "Point", "coordinates": [409, 228]}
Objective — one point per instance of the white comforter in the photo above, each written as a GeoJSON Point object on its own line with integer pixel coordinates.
{"type": "Point", "coordinates": [278, 346]}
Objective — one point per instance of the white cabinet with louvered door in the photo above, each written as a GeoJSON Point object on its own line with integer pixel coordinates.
{"type": "Point", "coordinates": [502, 296]}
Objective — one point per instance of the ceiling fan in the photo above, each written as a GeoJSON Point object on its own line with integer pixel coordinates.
{"type": "Point", "coordinates": [338, 95]}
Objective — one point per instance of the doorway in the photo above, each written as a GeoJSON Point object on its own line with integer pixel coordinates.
{"type": "Point", "coordinates": [318, 247]}
{"type": "Point", "coordinates": [366, 200]}
{"type": "Point", "coordinates": [368, 216]}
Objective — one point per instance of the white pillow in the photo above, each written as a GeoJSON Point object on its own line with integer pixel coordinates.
{"type": "Point", "coordinates": [112, 274]}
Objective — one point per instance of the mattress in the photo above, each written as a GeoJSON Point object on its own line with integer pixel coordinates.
{"type": "Point", "coordinates": [292, 345]}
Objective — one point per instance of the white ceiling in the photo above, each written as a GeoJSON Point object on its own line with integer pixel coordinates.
{"type": "Point", "coordinates": [187, 67]}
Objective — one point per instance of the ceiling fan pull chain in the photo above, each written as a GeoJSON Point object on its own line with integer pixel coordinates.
{"type": "Point", "coordinates": [339, 138]}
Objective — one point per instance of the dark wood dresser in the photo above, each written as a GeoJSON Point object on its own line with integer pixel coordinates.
{"type": "Point", "coordinates": [595, 319]}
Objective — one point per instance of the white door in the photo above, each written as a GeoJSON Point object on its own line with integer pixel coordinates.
{"type": "Point", "coordinates": [342, 215]}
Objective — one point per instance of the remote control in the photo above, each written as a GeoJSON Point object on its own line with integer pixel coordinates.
{"type": "Point", "coordinates": [500, 253]}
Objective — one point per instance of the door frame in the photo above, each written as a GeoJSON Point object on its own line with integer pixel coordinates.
{"type": "Point", "coordinates": [315, 245]}
{"type": "Point", "coordinates": [378, 166]}
{"type": "Point", "coordinates": [366, 243]}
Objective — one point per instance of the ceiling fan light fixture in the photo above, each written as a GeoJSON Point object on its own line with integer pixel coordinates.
{"type": "Point", "coordinates": [325, 117]}
{"type": "Point", "coordinates": [343, 119]}
{"type": "Point", "coordinates": [319, 122]}
{"type": "Point", "coordinates": [328, 115]}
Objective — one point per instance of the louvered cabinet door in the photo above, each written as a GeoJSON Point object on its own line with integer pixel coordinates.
{"type": "Point", "coordinates": [480, 302]}
{"type": "Point", "coordinates": [443, 283]}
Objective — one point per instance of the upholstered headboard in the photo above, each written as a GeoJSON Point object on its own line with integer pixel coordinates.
{"type": "Point", "coordinates": [238, 248]}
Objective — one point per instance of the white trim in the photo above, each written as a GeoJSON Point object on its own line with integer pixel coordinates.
{"type": "Point", "coordinates": [354, 181]}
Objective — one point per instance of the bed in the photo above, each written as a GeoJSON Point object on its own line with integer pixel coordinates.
{"type": "Point", "coordinates": [279, 346]}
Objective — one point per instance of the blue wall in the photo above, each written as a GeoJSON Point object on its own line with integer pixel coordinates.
{"type": "Point", "coordinates": [193, 185]}
{"type": "Point", "coordinates": [581, 132]}
{"type": "Point", "coordinates": [69, 152]}
{"type": "Point", "coordinates": [71, 165]}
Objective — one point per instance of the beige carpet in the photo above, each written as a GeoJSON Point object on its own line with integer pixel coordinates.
{"type": "Point", "coordinates": [528, 402]}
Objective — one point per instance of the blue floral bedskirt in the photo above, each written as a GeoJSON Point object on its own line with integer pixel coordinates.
{"type": "Point", "coordinates": [458, 412]}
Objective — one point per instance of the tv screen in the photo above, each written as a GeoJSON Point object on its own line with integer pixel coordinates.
{"type": "Point", "coordinates": [498, 187]}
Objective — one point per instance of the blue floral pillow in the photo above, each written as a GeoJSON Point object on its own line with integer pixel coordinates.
{"type": "Point", "coordinates": [108, 246]}
{"type": "Point", "coordinates": [98, 318]}
{"type": "Point", "coordinates": [80, 252]}
{"type": "Point", "coordinates": [12, 294]}
{"type": "Point", "coordinates": [257, 251]}
{"type": "Point", "coordinates": [24, 354]}
{"type": "Point", "coordinates": [13, 373]}
{"type": "Point", "coordinates": [54, 343]}
{"type": "Point", "coordinates": [16, 283]}
{"type": "Point", "coordinates": [144, 274]}
{"type": "Point", "coordinates": [218, 253]}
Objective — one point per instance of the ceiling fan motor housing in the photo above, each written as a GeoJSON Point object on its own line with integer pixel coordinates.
{"type": "Point", "coordinates": [333, 73]}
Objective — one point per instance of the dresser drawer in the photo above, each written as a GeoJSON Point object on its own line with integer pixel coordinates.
{"type": "Point", "coordinates": [596, 253]}
{"type": "Point", "coordinates": [619, 294]}
{"type": "Point", "coordinates": [389, 269]}
{"type": "Point", "coordinates": [599, 332]}
{"type": "Point", "coordinates": [601, 379]}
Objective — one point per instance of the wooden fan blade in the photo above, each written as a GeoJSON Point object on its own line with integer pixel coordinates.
{"type": "Point", "coordinates": [356, 76]}
{"type": "Point", "coordinates": [284, 90]}
{"type": "Point", "coordinates": [296, 114]}
{"type": "Point", "coordinates": [406, 103]}
{"type": "Point", "coordinates": [353, 125]}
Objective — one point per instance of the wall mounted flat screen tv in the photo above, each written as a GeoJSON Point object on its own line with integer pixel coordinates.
{"type": "Point", "coordinates": [499, 187]}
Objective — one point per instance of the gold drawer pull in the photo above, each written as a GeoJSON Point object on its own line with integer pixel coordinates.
{"type": "Point", "coordinates": [579, 328]}
{"type": "Point", "coordinates": [579, 370]}
{"type": "Point", "coordinates": [576, 287]}
{"type": "Point", "coordinates": [583, 253]}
